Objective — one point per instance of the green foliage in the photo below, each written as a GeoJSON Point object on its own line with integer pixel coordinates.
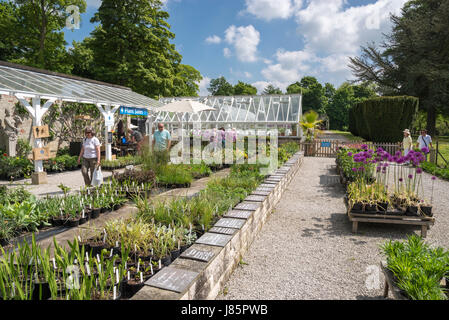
{"type": "Point", "coordinates": [131, 47]}
{"type": "Point", "coordinates": [413, 60]}
{"type": "Point", "coordinates": [270, 89]}
{"type": "Point", "coordinates": [220, 87]}
{"type": "Point", "coordinates": [433, 169]}
{"type": "Point", "coordinates": [417, 267]}
{"type": "Point", "coordinates": [310, 124]}
{"type": "Point", "coordinates": [12, 168]}
{"type": "Point", "coordinates": [383, 119]}
{"type": "Point", "coordinates": [244, 89]}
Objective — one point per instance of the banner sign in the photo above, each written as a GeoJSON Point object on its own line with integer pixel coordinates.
{"type": "Point", "coordinates": [325, 144]}
{"type": "Point", "coordinates": [133, 111]}
{"type": "Point", "coordinates": [41, 154]}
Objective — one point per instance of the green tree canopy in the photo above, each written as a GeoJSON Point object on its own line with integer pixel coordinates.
{"type": "Point", "coordinates": [220, 87]}
{"type": "Point", "coordinates": [131, 47]}
{"type": "Point", "coordinates": [414, 59]}
{"type": "Point", "coordinates": [312, 92]}
{"type": "Point", "coordinates": [270, 89]}
{"type": "Point", "coordinates": [244, 89]}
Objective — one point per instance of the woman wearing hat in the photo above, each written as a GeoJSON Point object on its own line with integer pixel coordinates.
{"type": "Point", "coordinates": [90, 152]}
{"type": "Point", "coordinates": [407, 143]}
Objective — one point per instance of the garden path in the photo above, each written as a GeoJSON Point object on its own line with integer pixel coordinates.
{"type": "Point", "coordinates": [306, 249]}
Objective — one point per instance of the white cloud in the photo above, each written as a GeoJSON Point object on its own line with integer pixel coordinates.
{"type": "Point", "coordinates": [93, 3]}
{"type": "Point", "coordinates": [203, 85]}
{"type": "Point", "coordinates": [248, 74]}
{"type": "Point", "coordinates": [227, 52]}
{"type": "Point", "coordinates": [245, 41]}
{"type": "Point", "coordinates": [213, 39]}
{"type": "Point", "coordinates": [261, 85]}
{"type": "Point", "coordinates": [272, 9]}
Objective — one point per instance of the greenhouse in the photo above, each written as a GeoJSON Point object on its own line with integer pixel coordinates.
{"type": "Point", "coordinates": [241, 112]}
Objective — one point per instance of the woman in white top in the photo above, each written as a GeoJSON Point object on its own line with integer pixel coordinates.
{"type": "Point", "coordinates": [90, 152]}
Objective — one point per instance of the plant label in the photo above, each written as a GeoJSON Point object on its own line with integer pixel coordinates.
{"type": "Point", "coordinates": [230, 223]}
{"type": "Point", "coordinates": [214, 239]}
{"type": "Point", "coordinates": [251, 206]}
{"type": "Point", "coordinates": [221, 230]}
{"type": "Point", "coordinates": [238, 214]}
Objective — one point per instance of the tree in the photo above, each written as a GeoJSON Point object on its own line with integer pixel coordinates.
{"type": "Point", "coordinates": [244, 89]}
{"type": "Point", "coordinates": [310, 124]}
{"type": "Point", "coordinates": [131, 47]}
{"type": "Point", "coordinates": [9, 44]}
{"type": "Point", "coordinates": [220, 87]}
{"type": "Point", "coordinates": [270, 89]}
{"type": "Point", "coordinates": [414, 58]}
{"type": "Point", "coordinates": [312, 94]}
{"type": "Point", "coordinates": [36, 26]}
{"type": "Point", "coordinates": [294, 88]}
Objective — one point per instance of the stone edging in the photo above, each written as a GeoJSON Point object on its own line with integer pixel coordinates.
{"type": "Point", "coordinates": [216, 254]}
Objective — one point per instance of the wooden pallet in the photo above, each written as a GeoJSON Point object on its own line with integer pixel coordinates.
{"type": "Point", "coordinates": [390, 218]}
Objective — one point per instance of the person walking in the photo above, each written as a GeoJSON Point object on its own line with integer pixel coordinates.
{"type": "Point", "coordinates": [90, 154]}
{"type": "Point", "coordinates": [424, 140]}
{"type": "Point", "coordinates": [161, 144]}
{"type": "Point", "coordinates": [407, 142]}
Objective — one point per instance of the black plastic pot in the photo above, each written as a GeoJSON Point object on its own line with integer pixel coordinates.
{"type": "Point", "coordinates": [130, 289]}
{"type": "Point", "coordinates": [370, 208]}
{"type": "Point", "coordinates": [184, 248]}
{"type": "Point", "coordinates": [57, 222]}
{"type": "Point", "coordinates": [41, 290]}
{"type": "Point", "coordinates": [96, 248]}
{"type": "Point", "coordinates": [166, 261]}
{"type": "Point", "coordinates": [412, 211]}
{"type": "Point", "coordinates": [103, 210]}
{"type": "Point", "coordinates": [382, 206]}
{"type": "Point", "coordinates": [72, 223]}
{"type": "Point", "coordinates": [95, 213]}
{"type": "Point", "coordinates": [357, 207]}
{"type": "Point", "coordinates": [83, 220]}
{"type": "Point", "coordinates": [427, 211]}
{"type": "Point", "coordinates": [116, 207]}
{"type": "Point", "coordinates": [4, 242]}
{"type": "Point", "coordinates": [175, 254]}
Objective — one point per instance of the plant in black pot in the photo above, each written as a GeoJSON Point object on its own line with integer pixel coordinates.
{"type": "Point", "coordinates": [425, 208]}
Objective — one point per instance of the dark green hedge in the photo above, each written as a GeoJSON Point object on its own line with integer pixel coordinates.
{"type": "Point", "coordinates": [383, 119]}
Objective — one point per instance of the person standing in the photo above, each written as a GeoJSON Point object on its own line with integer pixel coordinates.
{"type": "Point", "coordinates": [424, 140]}
{"type": "Point", "coordinates": [161, 144]}
{"type": "Point", "coordinates": [90, 152]}
{"type": "Point", "coordinates": [137, 138]}
{"type": "Point", "coordinates": [407, 142]}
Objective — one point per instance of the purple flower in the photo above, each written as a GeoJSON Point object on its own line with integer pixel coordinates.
{"type": "Point", "coordinates": [378, 169]}
{"type": "Point", "coordinates": [354, 169]}
{"type": "Point", "coordinates": [425, 150]}
{"type": "Point", "coordinates": [418, 171]}
{"type": "Point", "coordinates": [350, 154]}
{"type": "Point", "coordinates": [364, 147]}
{"type": "Point", "coordinates": [434, 178]}
{"type": "Point", "coordinates": [400, 179]}
{"type": "Point", "coordinates": [410, 176]}
{"type": "Point", "coordinates": [362, 169]}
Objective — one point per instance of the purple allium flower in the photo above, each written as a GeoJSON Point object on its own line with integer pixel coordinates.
{"type": "Point", "coordinates": [364, 147]}
{"type": "Point", "coordinates": [425, 150]}
{"type": "Point", "coordinates": [434, 178]}
{"type": "Point", "coordinates": [400, 179]}
{"type": "Point", "coordinates": [354, 169]}
{"type": "Point", "coordinates": [362, 169]}
{"type": "Point", "coordinates": [418, 171]}
{"type": "Point", "coordinates": [410, 176]}
{"type": "Point", "coordinates": [350, 154]}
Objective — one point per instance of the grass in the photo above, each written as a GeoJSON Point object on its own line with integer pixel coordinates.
{"type": "Point", "coordinates": [347, 135]}
{"type": "Point", "coordinates": [444, 150]}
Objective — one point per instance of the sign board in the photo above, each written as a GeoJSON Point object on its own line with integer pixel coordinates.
{"type": "Point", "coordinates": [109, 137]}
{"type": "Point", "coordinates": [173, 279]}
{"type": "Point", "coordinates": [40, 132]}
{"type": "Point", "coordinates": [325, 144]}
{"type": "Point", "coordinates": [230, 223]}
{"type": "Point", "coordinates": [133, 111]}
{"type": "Point", "coordinates": [196, 254]}
{"type": "Point", "coordinates": [41, 154]}
{"type": "Point", "coordinates": [238, 214]}
{"type": "Point", "coordinates": [109, 121]}
{"type": "Point", "coordinates": [223, 230]}
{"type": "Point", "coordinates": [247, 206]}
{"type": "Point", "coordinates": [214, 239]}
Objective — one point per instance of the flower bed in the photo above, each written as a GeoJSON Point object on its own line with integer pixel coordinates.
{"type": "Point", "coordinates": [366, 174]}
{"type": "Point", "coordinates": [14, 168]}
{"type": "Point", "coordinates": [61, 164]}
{"type": "Point", "coordinates": [417, 268]}
{"type": "Point", "coordinates": [435, 170]}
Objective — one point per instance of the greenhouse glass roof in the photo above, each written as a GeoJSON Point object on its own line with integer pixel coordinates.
{"type": "Point", "coordinates": [270, 109]}
{"type": "Point", "coordinates": [26, 81]}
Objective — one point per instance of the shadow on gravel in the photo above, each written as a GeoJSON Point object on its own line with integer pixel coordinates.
{"type": "Point", "coordinates": [370, 298]}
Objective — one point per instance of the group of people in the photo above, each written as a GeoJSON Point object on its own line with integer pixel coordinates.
{"type": "Point", "coordinates": [424, 141]}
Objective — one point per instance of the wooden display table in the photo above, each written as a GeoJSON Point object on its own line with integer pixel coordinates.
{"type": "Point", "coordinates": [390, 217]}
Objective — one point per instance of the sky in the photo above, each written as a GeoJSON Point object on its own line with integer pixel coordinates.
{"type": "Point", "coordinates": [265, 42]}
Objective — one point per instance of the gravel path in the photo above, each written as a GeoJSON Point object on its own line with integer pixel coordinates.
{"type": "Point", "coordinates": [306, 250]}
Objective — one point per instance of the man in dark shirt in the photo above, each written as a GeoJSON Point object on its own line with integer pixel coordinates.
{"type": "Point", "coordinates": [137, 138]}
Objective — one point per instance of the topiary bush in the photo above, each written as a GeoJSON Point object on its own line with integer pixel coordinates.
{"type": "Point", "coordinates": [383, 119]}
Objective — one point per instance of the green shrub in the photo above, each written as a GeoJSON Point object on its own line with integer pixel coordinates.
{"type": "Point", "coordinates": [383, 119]}
{"type": "Point", "coordinates": [432, 168]}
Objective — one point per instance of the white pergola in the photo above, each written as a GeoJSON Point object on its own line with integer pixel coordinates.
{"type": "Point", "coordinates": [25, 82]}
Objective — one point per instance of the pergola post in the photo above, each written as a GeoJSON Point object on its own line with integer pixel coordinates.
{"type": "Point", "coordinates": [109, 118]}
{"type": "Point", "coordinates": [37, 112]}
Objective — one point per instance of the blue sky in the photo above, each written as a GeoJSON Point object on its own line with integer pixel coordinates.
{"type": "Point", "coordinates": [269, 41]}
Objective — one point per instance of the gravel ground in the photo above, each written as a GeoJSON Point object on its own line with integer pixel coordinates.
{"type": "Point", "coordinates": [306, 250]}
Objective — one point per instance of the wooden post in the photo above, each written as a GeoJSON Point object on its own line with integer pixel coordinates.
{"type": "Point", "coordinates": [438, 150]}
